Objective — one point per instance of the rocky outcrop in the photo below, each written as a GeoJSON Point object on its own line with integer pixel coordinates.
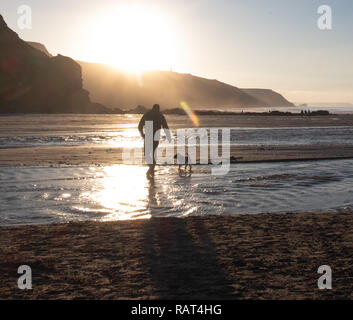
{"type": "Point", "coordinates": [40, 47]}
{"type": "Point", "coordinates": [33, 82]}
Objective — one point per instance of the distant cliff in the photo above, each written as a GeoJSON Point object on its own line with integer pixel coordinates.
{"type": "Point", "coordinates": [31, 81]}
{"type": "Point", "coordinates": [120, 90]}
{"type": "Point", "coordinates": [117, 89]}
{"type": "Point", "coordinates": [270, 97]}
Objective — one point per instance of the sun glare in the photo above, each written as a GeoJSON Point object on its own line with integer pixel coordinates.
{"type": "Point", "coordinates": [123, 201]}
{"type": "Point", "coordinates": [133, 39]}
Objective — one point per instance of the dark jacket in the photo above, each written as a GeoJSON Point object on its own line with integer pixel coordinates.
{"type": "Point", "coordinates": [157, 118]}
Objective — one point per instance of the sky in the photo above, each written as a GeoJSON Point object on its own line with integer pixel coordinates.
{"type": "Point", "coordinates": [273, 44]}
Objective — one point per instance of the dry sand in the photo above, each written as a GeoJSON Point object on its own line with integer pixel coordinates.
{"type": "Point", "coordinates": [267, 256]}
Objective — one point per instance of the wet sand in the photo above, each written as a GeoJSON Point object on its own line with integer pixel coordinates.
{"type": "Point", "coordinates": [267, 256]}
{"type": "Point", "coordinates": [21, 125]}
{"type": "Point", "coordinates": [102, 155]}
{"type": "Point", "coordinates": [68, 123]}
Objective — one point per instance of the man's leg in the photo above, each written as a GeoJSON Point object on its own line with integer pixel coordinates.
{"type": "Point", "coordinates": [148, 153]}
{"type": "Point", "coordinates": [155, 146]}
{"type": "Point", "coordinates": [150, 171]}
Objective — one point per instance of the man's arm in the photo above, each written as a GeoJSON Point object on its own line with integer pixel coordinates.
{"type": "Point", "coordinates": [141, 125]}
{"type": "Point", "coordinates": [166, 129]}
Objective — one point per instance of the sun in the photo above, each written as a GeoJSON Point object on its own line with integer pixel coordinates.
{"type": "Point", "coordinates": [133, 39]}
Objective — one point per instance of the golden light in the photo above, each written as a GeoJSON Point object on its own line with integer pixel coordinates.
{"type": "Point", "coordinates": [123, 193]}
{"type": "Point", "coordinates": [191, 114]}
{"type": "Point", "coordinates": [132, 38]}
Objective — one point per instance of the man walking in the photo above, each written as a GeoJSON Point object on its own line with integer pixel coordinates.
{"type": "Point", "coordinates": [158, 121]}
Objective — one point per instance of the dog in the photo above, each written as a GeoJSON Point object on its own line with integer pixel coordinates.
{"type": "Point", "coordinates": [184, 170]}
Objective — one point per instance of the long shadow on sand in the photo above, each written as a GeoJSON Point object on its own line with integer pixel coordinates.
{"type": "Point", "coordinates": [181, 259]}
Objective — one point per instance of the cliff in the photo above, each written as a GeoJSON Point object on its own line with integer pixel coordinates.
{"type": "Point", "coordinates": [40, 47]}
{"type": "Point", "coordinates": [270, 97]}
{"type": "Point", "coordinates": [117, 89]}
{"type": "Point", "coordinates": [33, 82]}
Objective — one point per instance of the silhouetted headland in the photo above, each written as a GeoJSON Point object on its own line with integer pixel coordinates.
{"type": "Point", "coordinates": [33, 82]}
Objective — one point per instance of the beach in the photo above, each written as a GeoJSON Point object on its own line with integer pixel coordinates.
{"type": "Point", "coordinates": [264, 256]}
{"type": "Point", "coordinates": [176, 150]}
{"type": "Point", "coordinates": [71, 211]}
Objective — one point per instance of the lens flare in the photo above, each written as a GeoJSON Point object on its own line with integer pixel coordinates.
{"type": "Point", "coordinates": [190, 113]}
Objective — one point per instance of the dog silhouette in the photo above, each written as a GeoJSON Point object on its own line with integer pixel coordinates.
{"type": "Point", "coordinates": [184, 170]}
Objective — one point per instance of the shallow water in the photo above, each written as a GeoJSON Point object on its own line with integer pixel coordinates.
{"type": "Point", "coordinates": [35, 195]}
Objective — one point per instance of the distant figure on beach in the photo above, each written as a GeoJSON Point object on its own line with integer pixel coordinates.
{"type": "Point", "coordinates": [159, 122]}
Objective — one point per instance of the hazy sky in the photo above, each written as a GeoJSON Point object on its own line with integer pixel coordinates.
{"type": "Point", "coordinates": [254, 43]}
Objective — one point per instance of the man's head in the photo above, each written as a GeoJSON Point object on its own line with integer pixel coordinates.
{"type": "Point", "coordinates": [156, 108]}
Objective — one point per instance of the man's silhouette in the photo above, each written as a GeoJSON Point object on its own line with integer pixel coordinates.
{"type": "Point", "coordinates": [158, 120]}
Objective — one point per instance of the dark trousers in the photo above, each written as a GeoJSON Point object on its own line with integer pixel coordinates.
{"type": "Point", "coordinates": [150, 154]}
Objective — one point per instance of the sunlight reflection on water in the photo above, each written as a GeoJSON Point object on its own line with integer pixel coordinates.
{"type": "Point", "coordinates": [31, 195]}
{"type": "Point", "coordinates": [124, 200]}
{"type": "Point", "coordinates": [116, 193]}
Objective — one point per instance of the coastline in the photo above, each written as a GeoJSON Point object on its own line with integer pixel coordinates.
{"type": "Point", "coordinates": [261, 256]}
